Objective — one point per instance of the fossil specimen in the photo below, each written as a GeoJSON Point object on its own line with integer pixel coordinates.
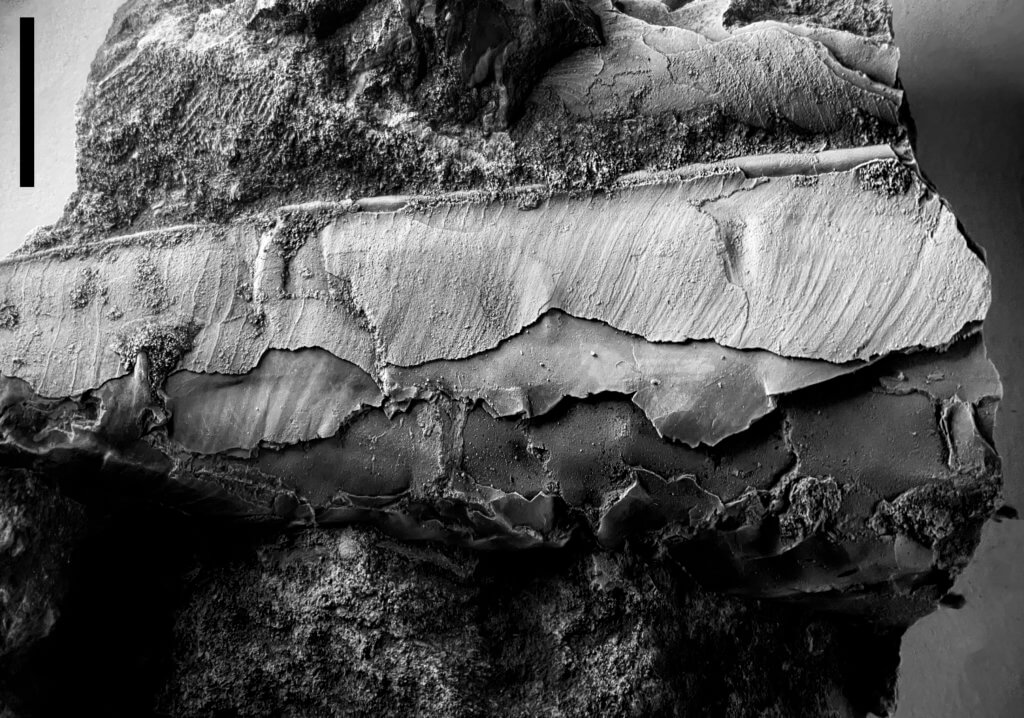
{"type": "Point", "coordinates": [493, 358]}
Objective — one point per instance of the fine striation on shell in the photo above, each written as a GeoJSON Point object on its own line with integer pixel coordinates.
{"type": "Point", "coordinates": [740, 261]}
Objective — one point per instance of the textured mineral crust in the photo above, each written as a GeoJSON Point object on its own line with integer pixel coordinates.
{"type": "Point", "coordinates": [496, 358]}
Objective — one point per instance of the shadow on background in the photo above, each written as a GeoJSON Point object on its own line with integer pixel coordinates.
{"type": "Point", "coordinates": [963, 70]}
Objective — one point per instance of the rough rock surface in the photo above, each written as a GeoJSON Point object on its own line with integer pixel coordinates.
{"type": "Point", "coordinates": [386, 97]}
{"type": "Point", "coordinates": [348, 619]}
{"type": "Point", "coordinates": [511, 357]}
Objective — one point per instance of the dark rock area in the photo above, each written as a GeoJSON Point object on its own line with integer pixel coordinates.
{"type": "Point", "coordinates": [167, 616]}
